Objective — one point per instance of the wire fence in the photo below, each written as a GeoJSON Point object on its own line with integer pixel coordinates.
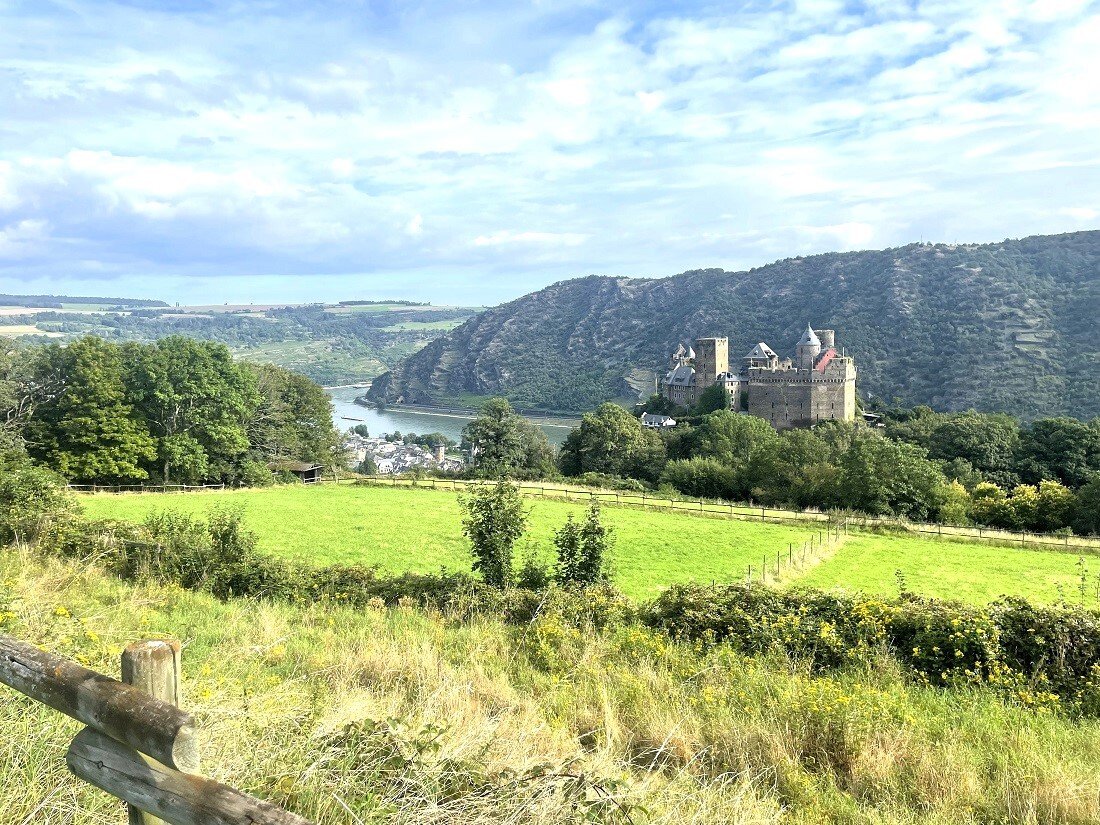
{"type": "Point", "coordinates": [742, 511]}
{"type": "Point", "coordinates": [796, 560]}
{"type": "Point", "coordinates": [751, 512]}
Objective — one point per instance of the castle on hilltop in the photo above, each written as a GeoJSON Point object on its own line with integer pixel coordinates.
{"type": "Point", "coordinates": [819, 384]}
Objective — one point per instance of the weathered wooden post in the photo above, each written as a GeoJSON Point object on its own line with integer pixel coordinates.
{"type": "Point", "coordinates": [154, 668]}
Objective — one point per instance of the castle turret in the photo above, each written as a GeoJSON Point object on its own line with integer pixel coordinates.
{"type": "Point", "coordinates": [828, 338]}
{"type": "Point", "coordinates": [805, 354]}
{"type": "Point", "coordinates": [711, 361]}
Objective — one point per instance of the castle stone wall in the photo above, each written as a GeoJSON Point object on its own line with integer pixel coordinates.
{"type": "Point", "coordinates": [712, 356]}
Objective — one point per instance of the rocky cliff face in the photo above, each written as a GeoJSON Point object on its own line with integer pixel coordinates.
{"type": "Point", "coordinates": [1010, 326]}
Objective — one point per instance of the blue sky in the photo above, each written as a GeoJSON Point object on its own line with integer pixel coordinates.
{"type": "Point", "coordinates": [471, 152]}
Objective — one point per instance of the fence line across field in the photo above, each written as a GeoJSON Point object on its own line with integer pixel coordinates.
{"type": "Point", "coordinates": [138, 746]}
{"type": "Point", "coordinates": [729, 510]}
{"type": "Point", "coordinates": [749, 512]}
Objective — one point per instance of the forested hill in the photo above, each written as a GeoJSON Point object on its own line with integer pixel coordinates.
{"type": "Point", "coordinates": [1006, 327]}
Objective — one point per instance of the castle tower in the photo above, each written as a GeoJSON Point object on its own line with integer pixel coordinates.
{"type": "Point", "coordinates": [828, 338]}
{"type": "Point", "coordinates": [805, 354]}
{"type": "Point", "coordinates": [712, 357]}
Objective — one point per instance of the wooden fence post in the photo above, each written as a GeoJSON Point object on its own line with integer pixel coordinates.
{"type": "Point", "coordinates": [154, 667]}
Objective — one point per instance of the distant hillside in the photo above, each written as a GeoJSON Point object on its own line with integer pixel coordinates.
{"type": "Point", "coordinates": [58, 301]}
{"type": "Point", "coordinates": [1008, 326]}
{"type": "Point", "coordinates": [333, 344]}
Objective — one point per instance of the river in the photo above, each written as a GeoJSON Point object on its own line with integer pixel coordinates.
{"type": "Point", "coordinates": [346, 413]}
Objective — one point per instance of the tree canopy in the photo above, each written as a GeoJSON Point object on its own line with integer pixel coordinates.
{"type": "Point", "coordinates": [175, 411]}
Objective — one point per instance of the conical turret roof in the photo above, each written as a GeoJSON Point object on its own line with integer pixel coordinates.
{"type": "Point", "coordinates": [809, 338]}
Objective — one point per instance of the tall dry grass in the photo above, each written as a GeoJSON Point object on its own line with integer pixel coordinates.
{"type": "Point", "coordinates": [399, 716]}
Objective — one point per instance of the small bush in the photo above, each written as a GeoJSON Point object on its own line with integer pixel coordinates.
{"type": "Point", "coordinates": [494, 521]}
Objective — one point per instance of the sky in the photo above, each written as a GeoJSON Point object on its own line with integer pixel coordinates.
{"type": "Point", "coordinates": [470, 152]}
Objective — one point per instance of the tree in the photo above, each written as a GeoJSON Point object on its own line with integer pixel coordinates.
{"type": "Point", "coordinates": [712, 399]}
{"type": "Point", "coordinates": [292, 419]}
{"type": "Point", "coordinates": [17, 395]}
{"type": "Point", "coordinates": [884, 477]}
{"type": "Point", "coordinates": [494, 521]}
{"type": "Point", "coordinates": [987, 441]}
{"type": "Point", "coordinates": [198, 404]}
{"type": "Point", "coordinates": [567, 544]}
{"type": "Point", "coordinates": [1060, 449]}
{"type": "Point", "coordinates": [612, 441]}
{"type": "Point", "coordinates": [83, 426]}
{"type": "Point", "coordinates": [955, 506]}
{"type": "Point", "coordinates": [659, 405]}
{"type": "Point", "coordinates": [701, 477]}
{"type": "Point", "coordinates": [740, 442]}
{"type": "Point", "coordinates": [913, 426]}
{"type": "Point", "coordinates": [29, 497]}
{"type": "Point", "coordinates": [505, 444]}
{"type": "Point", "coordinates": [1085, 518]}
{"type": "Point", "coordinates": [1054, 510]}
{"type": "Point", "coordinates": [800, 470]}
{"type": "Point", "coordinates": [361, 430]}
{"type": "Point", "coordinates": [583, 548]}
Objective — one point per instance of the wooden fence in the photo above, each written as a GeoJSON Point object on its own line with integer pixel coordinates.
{"type": "Point", "coordinates": [750, 512]}
{"type": "Point", "coordinates": [144, 488]}
{"type": "Point", "coordinates": [139, 746]}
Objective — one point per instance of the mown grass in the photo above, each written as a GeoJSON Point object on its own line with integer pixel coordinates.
{"type": "Point", "coordinates": [691, 736]}
{"type": "Point", "coordinates": [421, 530]}
{"type": "Point", "coordinates": [968, 571]}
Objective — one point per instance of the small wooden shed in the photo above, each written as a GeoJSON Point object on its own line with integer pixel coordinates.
{"type": "Point", "coordinates": [308, 473]}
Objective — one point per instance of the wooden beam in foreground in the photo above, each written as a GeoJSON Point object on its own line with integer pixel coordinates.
{"type": "Point", "coordinates": [177, 798]}
{"type": "Point", "coordinates": [127, 714]}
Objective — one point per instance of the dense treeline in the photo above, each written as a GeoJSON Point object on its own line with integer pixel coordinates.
{"type": "Point", "coordinates": [958, 468]}
{"type": "Point", "coordinates": [174, 411]}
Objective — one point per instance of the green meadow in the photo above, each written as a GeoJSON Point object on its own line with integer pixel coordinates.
{"type": "Point", "coordinates": [968, 571]}
{"type": "Point", "coordinates": [420, 530]}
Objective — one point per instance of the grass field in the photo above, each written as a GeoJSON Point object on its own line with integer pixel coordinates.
{"type": "Point", "coordinates": [968, 571]}
{"type": "Point", "coordinates": [17, 330]}
{"type": "Point", "coordinates": [405, 326]}
{"type": "Point", "coordinates": [421, 530]}
{"type": "Point", "coordinates": [394, 716]}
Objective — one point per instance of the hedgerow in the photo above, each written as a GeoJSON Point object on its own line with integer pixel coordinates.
{"type": "Point", "coordinates": [1042, 657]}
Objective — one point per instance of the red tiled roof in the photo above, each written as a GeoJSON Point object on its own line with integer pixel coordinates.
{"type": "Point", "coordinates": [824, 359]}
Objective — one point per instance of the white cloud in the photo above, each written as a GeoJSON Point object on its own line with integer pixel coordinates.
{"type": "Point", "coordinates": [23, 239]}
{"type": "Point", "coordinates": [541, 143]}
{"type": "Point", "coordinates": [541, 238]}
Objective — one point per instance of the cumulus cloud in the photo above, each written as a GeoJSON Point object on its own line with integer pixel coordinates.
{"type": "Point", "coordinates": [494, 148]}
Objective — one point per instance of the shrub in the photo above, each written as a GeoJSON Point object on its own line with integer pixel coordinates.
{"type": "Point", "coordinates": [31, 498]}
{"type": "Point", "coordinates": [1040, 655]}
{"type": "Point", "coordinates": [583, 549]}
{"type": "Point", "coordinates": [255, 474]}
{"type": "Point", "coordinates": [494, 521]}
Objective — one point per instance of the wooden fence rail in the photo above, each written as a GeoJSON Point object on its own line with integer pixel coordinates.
{"type": "Point", "coordinates": [138, 746]}
{"type": "Point", "coordinates": [752, 512]}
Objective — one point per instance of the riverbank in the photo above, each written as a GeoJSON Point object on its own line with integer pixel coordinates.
{"type": "Point", "coordinates": [470, 413]}
{"type": "Point", "coordinates": [346, 412]}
